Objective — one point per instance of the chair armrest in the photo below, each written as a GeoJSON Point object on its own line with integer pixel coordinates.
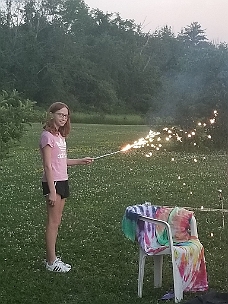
{"type": "Point", "coordinates": [160, 222]}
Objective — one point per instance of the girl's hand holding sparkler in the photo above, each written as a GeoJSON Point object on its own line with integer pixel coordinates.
{"type": "Point", "coordinates": [80, 161]}
{"type": "Point", "coordinates": [86, 160]}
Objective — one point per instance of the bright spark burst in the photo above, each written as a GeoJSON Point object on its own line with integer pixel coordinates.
{"type": "Point", "coordinates": [142, 142]}
{"type": "Point", "coordinates": [127, 147]}
{"type": "Point", "coordinates": [156, 140]}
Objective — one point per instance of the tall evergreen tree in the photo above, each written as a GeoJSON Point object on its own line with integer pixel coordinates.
{"type": "Point", "coordinates": [193, 34]}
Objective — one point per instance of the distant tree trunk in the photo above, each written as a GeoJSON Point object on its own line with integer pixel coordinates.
{"type": "Point", "coordinates": [9, 12]}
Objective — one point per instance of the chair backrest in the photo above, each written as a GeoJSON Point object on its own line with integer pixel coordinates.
{"type": "Point", "coordinates": [166, 225]}
{"type": "Point", "coordinates": [163, 226]}
{"type": "Point", "coordinates": [158, 249]}
{"type": "Point", "coordinates": [193, 227]}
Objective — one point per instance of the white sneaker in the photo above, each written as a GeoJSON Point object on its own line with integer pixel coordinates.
{"type": "Point", "coordinates": [67, 265]}
{"type": "Point", "coordinates": [58, 266]}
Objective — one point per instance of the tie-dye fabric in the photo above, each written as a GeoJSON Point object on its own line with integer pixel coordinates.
{"type": "Point", "coordinates": [188, 254]}
{"type": "Point", "coordinates": [179, 220]}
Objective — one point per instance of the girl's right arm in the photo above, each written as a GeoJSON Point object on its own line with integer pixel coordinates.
{"type": "Point", "coordinates": [49, 176]}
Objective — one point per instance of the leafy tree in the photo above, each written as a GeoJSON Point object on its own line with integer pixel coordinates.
{"type": "Point", "coordinates": [15, 112]}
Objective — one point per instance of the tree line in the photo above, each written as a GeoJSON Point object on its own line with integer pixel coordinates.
{"type": "Point", "coordinates": [98, 62]}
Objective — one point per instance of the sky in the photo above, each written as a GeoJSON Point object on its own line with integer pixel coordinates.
{"type": "Point", "coordinates": [155, 14]}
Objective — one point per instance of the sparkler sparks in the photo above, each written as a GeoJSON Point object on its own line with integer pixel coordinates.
{"type": "Point", "coordinates": [190, 138]}
{"type": "Point", "coordinates": [141, 142]}
{"type": "Point", "coordinates": [169, 135]}
{"type": "Point", "coordinates": [155, 141]}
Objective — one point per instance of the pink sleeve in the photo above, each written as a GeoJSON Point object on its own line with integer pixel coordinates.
{"type": "Point", "coordinates": [46, 139]}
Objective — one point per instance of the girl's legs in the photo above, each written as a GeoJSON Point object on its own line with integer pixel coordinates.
{"type": "Point", "coordinates": [54, 215]}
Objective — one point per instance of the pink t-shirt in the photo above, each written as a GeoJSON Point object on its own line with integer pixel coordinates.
{"type": "Point", "coordinates": [58, 155]}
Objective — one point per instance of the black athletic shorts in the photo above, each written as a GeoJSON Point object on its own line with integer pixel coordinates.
{"type": "Point", "coordinates": [62, 188]}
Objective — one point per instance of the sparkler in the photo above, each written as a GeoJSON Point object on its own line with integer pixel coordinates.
{"type": "Point", "coordinates": [222, 210]}
{"type": "Point", "coordinates": [137, 144]}
{"type": "Point", "coordinates": [108, 154]}
{"type": "Point", "coordinates": [155, 140]}
{"type": "Point", "coordinates": [222, 205]}
{"type": "Point", "coordinates": [202, 208]}
{"type": "Point", "coordinates": [127, 147]}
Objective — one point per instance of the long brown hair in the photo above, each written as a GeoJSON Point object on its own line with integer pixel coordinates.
{"type": "Point", "coordinates": [49, 125]}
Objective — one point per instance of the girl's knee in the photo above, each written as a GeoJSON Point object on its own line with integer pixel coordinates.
{"type": "Point", "coordinates": [54, 223]}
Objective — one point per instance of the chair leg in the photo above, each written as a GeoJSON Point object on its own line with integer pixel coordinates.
{"type": "Point", "coordinates": [178, 285]}
{"type": "Point", "coordinates": [142, 258]}
{"type": "Point", "coordinates": [158, 262]}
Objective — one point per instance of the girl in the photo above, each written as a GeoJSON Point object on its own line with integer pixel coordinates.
{"type": "Point", "coordinates": [55, 177]}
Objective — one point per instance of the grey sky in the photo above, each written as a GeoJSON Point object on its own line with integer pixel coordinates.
{"type": "Point", "coordinates": [153, 14]}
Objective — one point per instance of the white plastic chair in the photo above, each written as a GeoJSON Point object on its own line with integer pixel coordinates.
{"type": "Point", "coordinates": [158, 260]}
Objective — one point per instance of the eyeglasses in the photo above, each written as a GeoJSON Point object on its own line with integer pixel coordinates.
{"type": "Point", "coordinates": [65, 116]}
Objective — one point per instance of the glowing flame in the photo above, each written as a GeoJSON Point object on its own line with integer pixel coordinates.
{"type": "Point", "coordinates": [142, 142]}
{"type": "Point", "coordinates": [127, 147]}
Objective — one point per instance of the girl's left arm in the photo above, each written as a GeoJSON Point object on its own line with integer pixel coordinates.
{"type": "Point", "coordinates": [79, 161]}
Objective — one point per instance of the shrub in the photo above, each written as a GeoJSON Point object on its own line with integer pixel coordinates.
{"type": "Point", "coordinates": [15, 113]}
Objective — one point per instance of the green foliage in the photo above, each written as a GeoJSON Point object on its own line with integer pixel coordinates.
{"type": "Point", "coordinates": [15, 112]}
{"type": "Point", "coordinates": [98, 62]}
{"type": "Point", "coordinates": [104, 262]}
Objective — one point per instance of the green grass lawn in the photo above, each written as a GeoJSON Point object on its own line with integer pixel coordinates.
{"type": "Point", "coordinates": [104, 261]}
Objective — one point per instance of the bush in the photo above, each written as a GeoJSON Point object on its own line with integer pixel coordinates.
{"type": "Point", "coordinates": [15, 113]}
